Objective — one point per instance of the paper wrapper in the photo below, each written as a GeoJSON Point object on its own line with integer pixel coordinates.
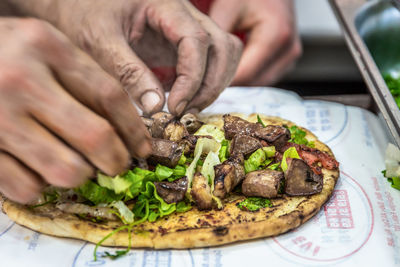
{"type": "Point", "coordinates": [359, 226]}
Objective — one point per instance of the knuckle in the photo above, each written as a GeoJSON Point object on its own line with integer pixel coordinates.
{"type": "Point", "coordinates": [111, 95]}
{"type": "Point", "coordinates": [203, 37]}
{"type": "Point", "coordinates": [37, 32]}
{"type": "Point", "coordinates": [297, 50]}
{"type": "Point", "coordinates": [285, 34]}
{"type": "Point", "coordinates": [11, 77]}
{"type": "Point", "coordinates": [129, 73]}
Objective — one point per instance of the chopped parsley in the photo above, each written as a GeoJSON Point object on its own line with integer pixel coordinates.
{"type": "Point", "coordinates": [298, 136]}
{"type": "Point", "coordinates": [259, 120]}
{"type": "Point", "coordinates": [254, 203]}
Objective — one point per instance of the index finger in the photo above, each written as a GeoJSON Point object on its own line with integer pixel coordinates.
{"type": "Point", "coordinates": [192, 43]}
{"type": "Point", "coordinates": [92, 86]}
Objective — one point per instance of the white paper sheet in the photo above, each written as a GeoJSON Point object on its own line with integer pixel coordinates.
{"type": "Point", "coordinates": [359, 226]}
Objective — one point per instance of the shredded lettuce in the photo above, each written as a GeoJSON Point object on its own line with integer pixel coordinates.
{"type": "Point", "coordinates": [269, 151]}
{"type": "Point", "coordinates": [97, 194]}
{"type": "Point", "coordinates": [207, 169]}
{"type": "Point", "coordinates": [392, 159]}
{"type": "Point", "coordinates": [125, 213]}
{"type": "Point", "coordinates": [182, 206]}
{"type": "Point", "coordinates": [259, 158]}
{"type": "Point", "coordinates": [150, 206]}
{"type": "Point", "coordinates": [394, 181]}
{"type": "Point", "coordinates": [224, 150]}
{"type": "Point", "coordinates": [203, 146]}
{"type": "Point", "coordinates": [291, 152]}
{"type": "Point", "coordinates": [275, 166]}
{"type": "Point", "coordinates": [211, 130]}
{"type": "Point", "coordinates": [254, 161]}
{"type": "Point", "coordinates": [163, 172]}
{"type": "Point", "coordinates": [118, 184]}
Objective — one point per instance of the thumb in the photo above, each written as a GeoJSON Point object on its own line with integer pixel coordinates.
{"type": "Point", "coordinates": [118, 58]}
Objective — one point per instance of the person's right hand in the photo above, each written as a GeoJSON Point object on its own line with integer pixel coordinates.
{"type": "Point", "coordinates": [203, 56]}
{"type": "Point", "coordinates": [61, 115]}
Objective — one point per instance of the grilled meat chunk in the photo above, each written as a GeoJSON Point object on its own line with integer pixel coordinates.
{"type": "Point", "coordinates": [160, 122]}
{"type": "Point", "coordinates": [191, 122]}
{"type": "Point", "coordinates": [228, 174]}
{"type": "Point", "coordinates": [82, 209]}
{"type": "Point", "coordinates": [148, 122]}
{"type": "Point", "coordinates": [274, 134]}
{"type": "Point", "coordinates": [175, 131]}
{"type": "Point", "coordinates": [201, 192]}
{"type": "Point", "coordinates": [312, 157]}
{"type": "Point", "coordinates": [189, 143]}
{"type": "Point", "coordinates": [244, 144]}
{"type": "Point", "coordinates": [165, 152]}
{"type": "Point", "coordinates": [172, 191]}
{"type": "Point", "coordinates": [301, 180]}
{"type": "Point", "coordinates": [263, 183]}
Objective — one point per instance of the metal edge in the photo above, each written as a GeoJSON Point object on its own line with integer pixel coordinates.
{"type": "Point", "coordinates": [346, 16]}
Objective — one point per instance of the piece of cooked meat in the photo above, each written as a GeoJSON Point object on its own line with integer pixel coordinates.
{"type": "Point", "coordinates": [175, 131]}
{"type": "Point", "coordinates": [160, 122]}
{"type": "Point", "coordinates": [165, 152]}
{"type": "Point", "coordinates": [228, 174]}
{"type": "Point", "coordinates": [172, 191]}
{"type": "Point", "coordinates": [189, 143]}
{"type": "Point", "coordinates": [201, 192]}
{"type": "Point", "coordinates": [191, 122]}
{"type": "Point", "coordinates": [140, 163]}
{"type": "Point", "coordinates": [147, 121]}
{"type": "Point", "coordinates": [312, 157]}
{"type": "Point", "coordinates": [244, 144]}
{"type": "Point", "coordinates": [262, 183]}
{"type": "Point", "coordinates": [301, 180]}
{"type": "Point", "coordinates": [274, 134]}
{"type": "Point", "coordinates": [82, 209]}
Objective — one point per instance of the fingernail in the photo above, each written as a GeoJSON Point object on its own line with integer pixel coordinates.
{"type": "Point", "coordinates": [181, 107]}
{"type": "Point", "coordinates": [149, 100]}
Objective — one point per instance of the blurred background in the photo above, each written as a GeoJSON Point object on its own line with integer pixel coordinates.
{"type": "Point", "coordinates": [326, 69]}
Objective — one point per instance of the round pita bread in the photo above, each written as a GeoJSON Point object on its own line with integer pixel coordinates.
{"type": "Point", "coordinates": [193, 228]}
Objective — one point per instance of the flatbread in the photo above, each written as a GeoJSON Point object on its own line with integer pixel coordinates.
{"type": "Point", "coordinates": [193, 228]}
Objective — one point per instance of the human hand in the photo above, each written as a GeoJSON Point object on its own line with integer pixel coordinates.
{"type": "Point", "coordinates": [272, 43]}
{"type": "Point", "coordinates": [61, 115]}
{"type": "Point", "coordinates": [205, 56]}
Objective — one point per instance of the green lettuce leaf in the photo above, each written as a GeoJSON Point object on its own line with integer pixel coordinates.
{"type": "Point", "coordinates": [254, 161]}
{"type": "Point", "coordinates": [291, 152]}
{"type": "Point", "coordinates": [163, 172]}
{"type": "Point", "coordinates": [211, 130]}
{"type": "Point", "coordinates": [124, 212]}
{"type": "Point", "coordinates": [118, 183]}
{"type": "Point", "coordinates": [97, 194]}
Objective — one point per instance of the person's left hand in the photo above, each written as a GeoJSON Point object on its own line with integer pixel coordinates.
{"type": "Point", "coordinates": [272, 43]}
